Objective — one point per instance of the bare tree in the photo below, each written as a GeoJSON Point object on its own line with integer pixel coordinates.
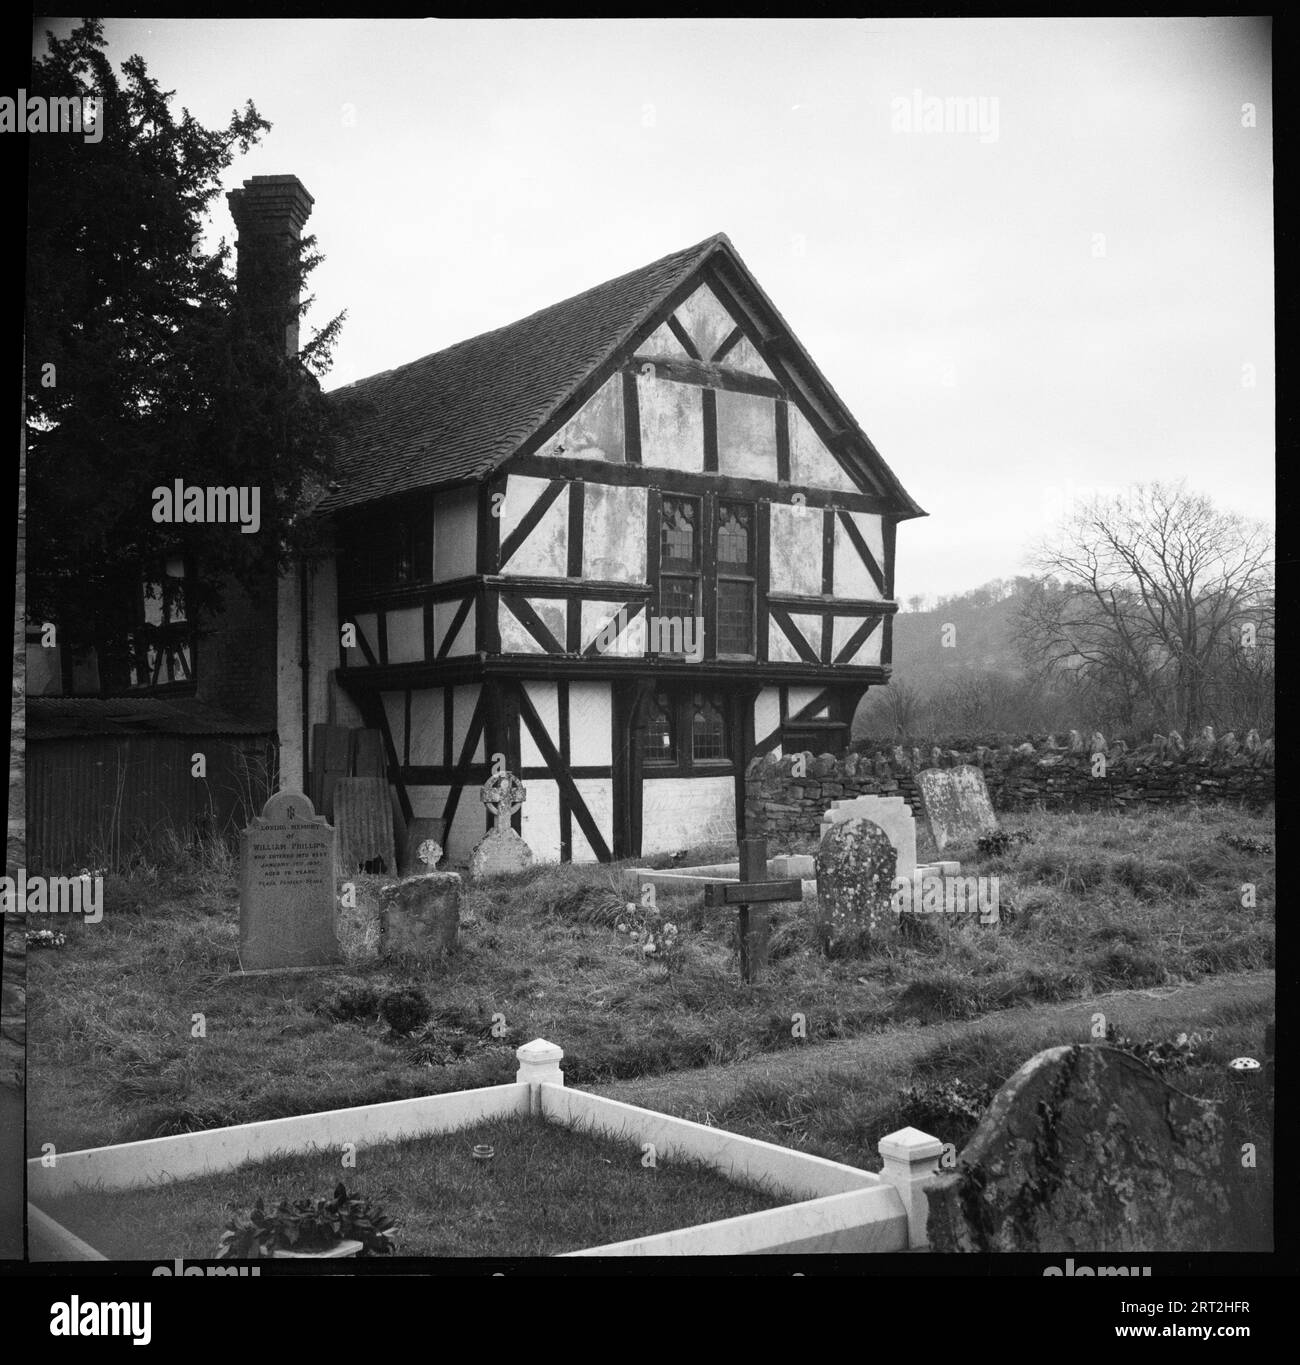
{"type": "Point", "coordinates": [1143, 596]}
{"type": "Point", "coordinates": [894, 711]}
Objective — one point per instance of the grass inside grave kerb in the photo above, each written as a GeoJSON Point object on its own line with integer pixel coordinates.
{"type": "Point", "coordinates": [548, 1189]}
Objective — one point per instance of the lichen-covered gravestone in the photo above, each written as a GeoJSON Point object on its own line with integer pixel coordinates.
{"type": "Point", "coordinates": [956, 804]}
{"type": "Point", "coordinates": [287, 910]}
{"type": "Point", "coordinates": [502, 851]}
{"type": "Point", "coordinates": [855, 881]}
{"type": "Point", "coordinates": [421, 913]}
{"type": "Point", "coordinates": [1086, 1149]}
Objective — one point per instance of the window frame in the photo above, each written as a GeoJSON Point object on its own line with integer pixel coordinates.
{"type": "Point", "coordinates": [733, 574]}
{"type": "Point", "coordinates": [681, 695]}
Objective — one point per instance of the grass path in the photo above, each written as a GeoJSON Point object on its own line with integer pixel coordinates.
{"type": "Point", "coordinates": [1153, 1011]}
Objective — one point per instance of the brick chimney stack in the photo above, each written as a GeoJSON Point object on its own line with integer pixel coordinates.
{"type": "Point", "coordinates": [269, 214]}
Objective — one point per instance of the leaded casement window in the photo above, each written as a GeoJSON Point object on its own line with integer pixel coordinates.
{"type": "Point", "coordinates": [659, 745]}
{"type": "Point", "coordinates": [686, 731]}
{"type": "Point", "coordinates": [680, 557]}
{"type": "Point", "coordinates": [735, 531]}
{"type": "Point", "coordinates": [709, 739]}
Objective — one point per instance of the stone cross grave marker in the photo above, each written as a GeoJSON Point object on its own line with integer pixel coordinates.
{"type": "Point", "coordinates": [287, 910]}
{"type": "Point", "coordinates": [750, 897]}
{"type": "Point", "coordinates": [1119, 1160]}
{"type": "Point", "coordinates": [501, 851]}
{"type": "Point", "coordinates": [956, 803]}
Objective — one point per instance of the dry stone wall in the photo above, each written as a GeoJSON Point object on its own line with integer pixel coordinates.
{"type": "Point", "coordinates": [1058, 774]}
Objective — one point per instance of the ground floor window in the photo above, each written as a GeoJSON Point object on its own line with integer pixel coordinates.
{"type": "Point", "coordinates": [686, 732]}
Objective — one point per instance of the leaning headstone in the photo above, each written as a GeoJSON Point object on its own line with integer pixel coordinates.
{"type": "Point", "coordinates": [502, 851]}
{"type": "Point", "coordinates": [1087, 1149]}
{"type": "Point", "coordinates": [1076, 742]}
{"type": "Point", "coordinates": [287, 909]}
{"type": "Point", "coordinates": [891, 813]}
{"type": "Point", "coordinates": [363, 815]}
{"type": "Point", "coordinates": [956, 804]}
{"type": "Point", "coordinates": [855, 883]}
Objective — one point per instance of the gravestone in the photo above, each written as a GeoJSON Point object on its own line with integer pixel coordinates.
{"type": "Point", "coordinates": [287, 910]}
{"type": "Point", "coordinates": [856, 862]}
{"type": "Point", "coordinates": [501, 852]}
{"type": "Point", "coordinates": [956, 804]}
{"type": "Point", "coordinates": [891, 813]}
{"type": "Point", "coordinates": [420, 831]}
{"type": "Point", "coordinates": [363, 816]}
{"type": "Point", "coordinates": [1087, 1149]}
{"type": "Point", "coordinates": [421, 915]}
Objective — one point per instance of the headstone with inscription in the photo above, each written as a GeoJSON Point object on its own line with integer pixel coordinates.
{"type": "Point", "coordinates": [287, 910]}
{"type": "Point", "coordinates": [501, 852]}
{"type": "Point", "coordinates": [956, 804]}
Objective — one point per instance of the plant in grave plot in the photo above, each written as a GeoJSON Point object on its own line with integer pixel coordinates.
{"type": "Point", "coordinates": [308, 1225]}
{"type": "Point", "coordinates": [1245, 843]}
{"type": "Point", "coordinates": [652, 937]}
{"type": "Point", "coordinates": [1001, 840]}
{"type": "Point", "coordinates": [945, 1106]}
{"type": "Point", "coordinates": [1169, 1055]}
{"type": "Point", "coordinates": [405, 1010]}
{"type": "Point", "coordinates": [45, 938]}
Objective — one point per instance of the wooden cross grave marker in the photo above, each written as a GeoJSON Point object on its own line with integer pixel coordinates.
{"type": "Point", "coordinates": [750, 896]}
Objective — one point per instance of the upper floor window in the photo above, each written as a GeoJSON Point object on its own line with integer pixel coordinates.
{"type": "Point", "coordinates": [680, 557]}
{"type": "Point", "coordinates": [736, 578]}
{"type": "Point", "coordinates": [387, 552]}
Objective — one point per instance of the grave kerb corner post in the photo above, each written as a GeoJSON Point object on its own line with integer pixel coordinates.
{"type": "Point", "coordinates": [539, 1061]}
{"type": "Point", "coordinates": [909, 1157]}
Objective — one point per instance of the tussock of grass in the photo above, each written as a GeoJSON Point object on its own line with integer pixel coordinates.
{"type": "Point", "coordinates": [547, 1190]}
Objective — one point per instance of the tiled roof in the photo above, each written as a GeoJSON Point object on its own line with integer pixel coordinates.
{"type": "Point", "coordinates": [458, 413]}
{"type": "Point", "coordinates": [68, 717]}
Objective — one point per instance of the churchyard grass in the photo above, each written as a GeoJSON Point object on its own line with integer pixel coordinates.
{"type": "Point", "coordinates": [547, 1189]}
{"type": "Point", "coordinates": [1096, 902]}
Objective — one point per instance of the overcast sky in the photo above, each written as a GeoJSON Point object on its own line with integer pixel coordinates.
{"type": "Point", "coordinates": [1066, 302]}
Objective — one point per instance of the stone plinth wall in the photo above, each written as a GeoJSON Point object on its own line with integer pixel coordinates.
{"type": "Point", "coordinates": [780, 804]}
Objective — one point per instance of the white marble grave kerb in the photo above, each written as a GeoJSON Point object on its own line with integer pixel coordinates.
{"type": "Point", "coordinates": [287, 909]}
